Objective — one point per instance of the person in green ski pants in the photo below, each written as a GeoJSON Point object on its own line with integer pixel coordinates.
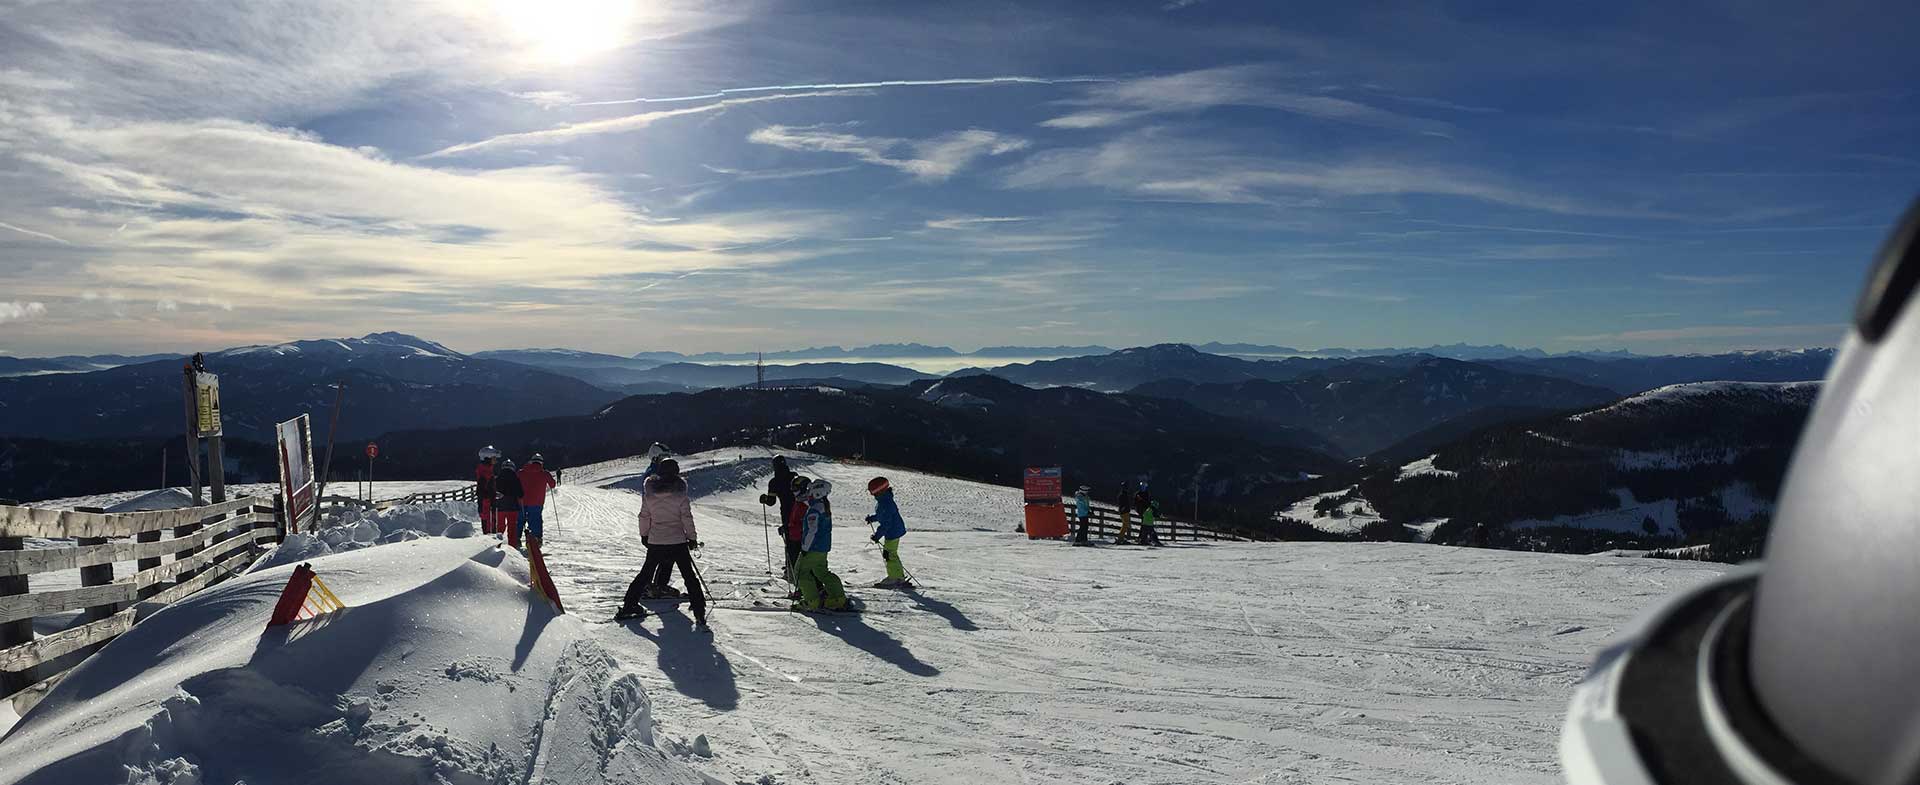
{"type": "Point", "coordinates": [819, 587]}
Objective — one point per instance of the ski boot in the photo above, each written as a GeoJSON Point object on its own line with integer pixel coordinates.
{"type": "Point", "coordinates": [629, 612]}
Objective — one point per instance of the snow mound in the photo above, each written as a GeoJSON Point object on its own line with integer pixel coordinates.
{"type": "Point", "coordinates": [341, 531]}
{"type": "Point", "coordinates": [441, 670]}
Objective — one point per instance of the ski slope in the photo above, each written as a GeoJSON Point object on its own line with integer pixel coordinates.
{"type": "Point", "coordinates": [1018, 661]}
{"type": "Point", "coordinates": [1027, 661]}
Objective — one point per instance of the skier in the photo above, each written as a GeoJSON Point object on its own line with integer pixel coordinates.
{"type": "Point", "coordinates": [655, 454]}
{"type": "Point", "coordinates": [1149, 512]}
{"type": "Point", "coordinates": [791, 529]}
{"type": "Point", "coordinates": [1125, 503]}
{"type": "Point", "coordinates": [1800, 669]}
{"type": "Point", "coordinates": [780, 488]}
{"type": "Point", "coordinates": [506, 502]}
{"type": "Point", "coordinates": [1082, 509]}
{"type": "Point", "coordinates": [886, 512]}
{"type": "Point", "coordinates": [534, 482]}
{"type": "Point", "coordinates": [819, 587]}
{"type": "Point", "coordinates": [666, 524]}
{"type": "Point", "coordinates": [483, 489]}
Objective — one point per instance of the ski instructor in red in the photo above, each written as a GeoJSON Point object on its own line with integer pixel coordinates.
{"type": "Point", "coordinates": [534, 482]}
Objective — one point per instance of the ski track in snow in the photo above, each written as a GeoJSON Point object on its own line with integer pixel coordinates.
{"type": "Point", "coordinates": [1029, 661]}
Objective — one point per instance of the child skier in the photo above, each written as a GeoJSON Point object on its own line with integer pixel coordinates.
{"type": "Point", "coordinates": [887, 513]}
{"type": "Point", "coordinates": [819, 587]}
{"type": "Point", "coordinates": [1149, 512]}
{"type": "Point", "coordinates": [1082, 509]}
{"type": "Point", "coordinates": [794, 524]}
{"type": "Point", "coordinates": [506, 503]}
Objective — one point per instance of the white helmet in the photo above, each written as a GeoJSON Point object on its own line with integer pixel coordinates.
{"type": "Point", "coordinates": [819, 489]}
{"type": "Point", "coordinates": [657, 451]}
{"type": "Point", "coordinates": [488, 452]}
{"type": "Point", "coordinates": [1799, 670]}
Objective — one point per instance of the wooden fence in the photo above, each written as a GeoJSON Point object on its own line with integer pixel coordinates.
{"type": "Point", "coordinates": [175, 553]}
{"type": "Point", "coordinates": [1105, 522]}
{"type": "Point", "coordinates": [465, 493]}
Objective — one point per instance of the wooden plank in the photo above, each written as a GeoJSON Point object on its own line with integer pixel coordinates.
{"type": "Point", "coordinates": [44, 522]}
{"type": "Point", "coordinates": [18, 632]}
{"type": "Point", "coordinates": [49, 647]}
{"type": "Point", "coordinates": [189, 567]}
{"type": "Point", "coordinates": [148, 548]}
{"type": "Point", "coordinates": [27, 606]}
{"type": "Point", "coordinates": [185, 588]}
{"type": "Point", "coordinates": [24, 700]}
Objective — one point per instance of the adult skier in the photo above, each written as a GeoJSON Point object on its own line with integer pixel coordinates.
{"type": "Point", "coordinates": [483, 488]}
{"type": "Point", "coordinates": [666, 523]}
{"type": "Point", "coordinates": [1125, 503]}
{"type": "Point", "coordinates": [780, 488]}
{"type": "Point", "coordinates": [1799, 670]}
{"type": "Point", "coordinates": [886, 513]}
{"type": "Point", "coordinates": [506, 502]}
{"type": "Point", "coordinates": [819, 587]}
{"type": "Point", "coordinates": [534, 482]}
{"type": "Point", "coordinates": [1082, 509]}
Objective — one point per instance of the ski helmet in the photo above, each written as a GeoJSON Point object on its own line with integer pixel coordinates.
{"type": "Point", "coordinates": [1799, 670]}
{"type": "Point", "coordinates": [507, 464]}
{"type": "Point", "coordinates": [488, 453]}
{"type": "Point", "coordinates": [657, 451]}
{"type": "Point", "coordinates": [669, 467]}
{"type": "Point", "coordinates": [537, 458]}
{"type": "Point", "coordinates": [800, 484]}
{"type": "Point", "coordinates": [779, 461]}
{"type": "Point", "coordinates": [818, 489]}
{"type": "Point", "coordinates": [878, 484]}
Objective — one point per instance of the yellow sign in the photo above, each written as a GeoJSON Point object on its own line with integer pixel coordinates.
{"type": "Point", "coordinates": [206, 396]}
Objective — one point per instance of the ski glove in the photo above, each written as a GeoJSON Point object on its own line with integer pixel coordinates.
{"type": "Point", "coordinates": [767, 499]}
{"type": "Point", "coordinates": [875, 538]}
{"type": "Point", "coordinates": [696, 545]}
{"type": "Point", "coordinates": [872, 518]}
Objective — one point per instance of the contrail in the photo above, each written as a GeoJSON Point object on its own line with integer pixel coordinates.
{"type": "Point", "coordinates": [988, 80]}
{"type": "Point", "coordinates": [32, 233]}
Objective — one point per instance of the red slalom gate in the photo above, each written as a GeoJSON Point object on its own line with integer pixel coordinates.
{"type": "Point", "coordinates": [305, 597]}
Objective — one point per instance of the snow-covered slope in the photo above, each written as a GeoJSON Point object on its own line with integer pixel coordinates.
{"type": "Point", "coordinates": [1017, 660]}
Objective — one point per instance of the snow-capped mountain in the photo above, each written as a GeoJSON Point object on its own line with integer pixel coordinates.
{"type": "Point", "coordinates": [1365, 412]}
{"type": "Point", "coordinates": [393, 381]}
{"type": "Point", "coordinates": [1636, 374]}
{"type": "Point", "coordinates": [1683, 459]}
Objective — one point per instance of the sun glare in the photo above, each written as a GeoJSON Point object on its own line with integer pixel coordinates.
{"type": "Point", "coordinates": [564, 31]}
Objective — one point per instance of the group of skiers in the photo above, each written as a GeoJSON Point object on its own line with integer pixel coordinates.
{"type": "Point", "coordinates": [667, 529]}
{"type": "Point", "coordinates": [1130, 500]}
{"type": "Point", "coordinates": [512, 499]}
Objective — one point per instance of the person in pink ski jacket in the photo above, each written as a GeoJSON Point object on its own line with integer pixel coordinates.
{"type": "Point", "coordinates": [666, 524]}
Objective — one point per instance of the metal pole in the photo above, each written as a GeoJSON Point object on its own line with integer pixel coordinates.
{"type": "Point", "coordinates": [332, 424]}
{"type": "Point", "coordinates": [193, 435]}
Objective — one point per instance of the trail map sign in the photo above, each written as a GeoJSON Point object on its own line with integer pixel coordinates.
{"type": "Point", "coordinates": [296, 470]}
{"type": "Point", "coordinates": [206, 403]}
{"type": "Point", "coordinates": [1043, 484]}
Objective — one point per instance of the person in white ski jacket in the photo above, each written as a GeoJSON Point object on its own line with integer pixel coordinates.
{"type": "Point", "coordinates": [666, 524]}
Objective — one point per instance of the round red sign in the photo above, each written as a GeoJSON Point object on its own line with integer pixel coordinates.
{"type": "Point", "coordinates": [373, 450]}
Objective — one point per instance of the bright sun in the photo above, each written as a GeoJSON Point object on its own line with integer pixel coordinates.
{"type": "Point", "coordinates": [563, 31]}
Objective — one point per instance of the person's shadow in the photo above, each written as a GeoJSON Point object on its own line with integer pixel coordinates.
{"type": "Point", "coordinates": [943, 609]}
{"type": "Point", "coordinates": [690, 660]}
{"type": "Point", "coordinates": [851, 628]}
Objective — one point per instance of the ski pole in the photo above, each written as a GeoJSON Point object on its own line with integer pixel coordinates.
{"type": "Point", "coordinates": [766, 536]}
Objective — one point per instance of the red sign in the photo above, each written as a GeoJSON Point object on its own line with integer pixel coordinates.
{"type": "Point", "coordinates": [373, 450]}
{"type": "Point", "coordinates": [1043, 484]}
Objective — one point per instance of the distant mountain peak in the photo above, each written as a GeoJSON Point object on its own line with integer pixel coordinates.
{"type": "Point", "coordinates": [411, 341]}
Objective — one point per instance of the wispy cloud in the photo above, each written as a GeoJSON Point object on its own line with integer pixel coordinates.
{"type": "Point", "coordinates": [1713, 280]}
{"type": "Point", "coordinates": [928, 160]}
{"type": "Point", "coordinates": [1247, 86]}
{"type": "Point", "coordinates": [1356, 295]}
{"type": "Point", "coordinates": [16, 310]}
{"type": "Point", "coordinates": [753, 175]}
{"type": "Point", "coordinates": [964, 81]}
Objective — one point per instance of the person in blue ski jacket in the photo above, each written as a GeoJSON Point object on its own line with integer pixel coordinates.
{"type": "Point", "coordinates": [1082, 509]}
{"type": "Point", "coordinates": [819, 587]}
{"type": "Point", "coordinates": [886, 512]}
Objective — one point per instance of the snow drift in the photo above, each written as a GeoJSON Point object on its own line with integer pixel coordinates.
{"type": "Point", "coordinates": [440, 671]}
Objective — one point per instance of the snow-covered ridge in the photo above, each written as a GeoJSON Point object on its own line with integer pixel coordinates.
{"type": "Point", "coordinates": [1696, 392]}
{"type": "Point", "coordinates": [387, 343]}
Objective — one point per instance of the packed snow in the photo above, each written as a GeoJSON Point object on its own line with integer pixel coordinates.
{"type": "Point", "coordinates": [1016, 660]}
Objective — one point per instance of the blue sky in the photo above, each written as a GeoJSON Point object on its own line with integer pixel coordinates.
{"type": "Point", "coordinates": [623, 176]}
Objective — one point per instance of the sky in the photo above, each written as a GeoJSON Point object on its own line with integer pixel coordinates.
{"type": "Point", "coordinates": [635, 176]}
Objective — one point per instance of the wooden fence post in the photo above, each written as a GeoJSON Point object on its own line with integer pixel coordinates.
{"type": "Point", "coordinates": [186, 531]}
{"type": "Point", "coordinates": [96, 575]}
{"type": "Point", "coordinates": [148, 563]}
{"type": "Point", "coordinates": [14, 633]}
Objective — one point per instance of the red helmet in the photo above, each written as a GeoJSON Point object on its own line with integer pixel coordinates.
{"type": "Point", "coordinates": [878, 484]}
